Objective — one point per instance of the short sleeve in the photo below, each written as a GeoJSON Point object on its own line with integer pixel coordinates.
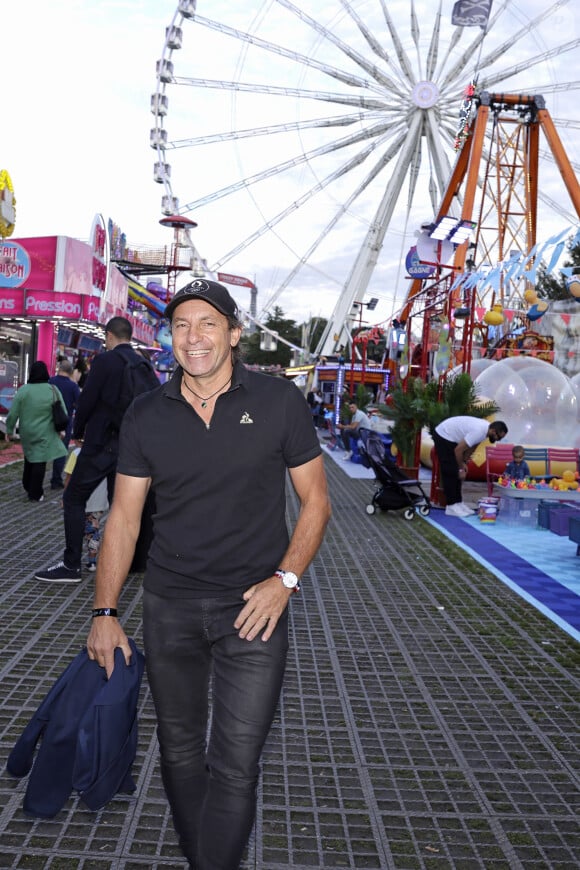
{"type": "Point", "coordinates": [301, 442]}
{"type": "Point", "coordinates": [132, 461]}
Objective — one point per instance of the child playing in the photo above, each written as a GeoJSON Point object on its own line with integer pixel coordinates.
{"type": "Point", "coordinates": [518, 468]}
{"type": "Point", "coordinates": [97, 504]}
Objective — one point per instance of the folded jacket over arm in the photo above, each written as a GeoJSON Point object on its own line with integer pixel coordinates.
{"type": "Point", "coordinates": [88, 726]}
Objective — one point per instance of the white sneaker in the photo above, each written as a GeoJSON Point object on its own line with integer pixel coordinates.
{"type": "Point", "coordinates": [467, 511]}
{"type": "Point", "coordinates": [454, 510]}
{"type": "Point", "coordinates": [347, 455]}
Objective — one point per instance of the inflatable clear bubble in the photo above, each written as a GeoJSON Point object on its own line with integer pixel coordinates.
{"type": "Point", "coordinates": [506, 388]}
{"type": "Point", "coordinates": [523, 361]}
{"type": "Point", "coordinates": [537, 401]}
{"type": "Point", "coordinates": [476, 368]}
{"type": "Point", "coordinates": [553, 421]}
{"type": "Point", "coordinates": [575, 384]}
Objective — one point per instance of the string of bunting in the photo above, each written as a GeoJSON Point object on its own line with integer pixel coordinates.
{"type": "Point", "coordinates": [523, 266]}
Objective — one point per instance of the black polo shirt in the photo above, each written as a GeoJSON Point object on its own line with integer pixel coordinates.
{"type": "Point", "coordinates": [220, 496]}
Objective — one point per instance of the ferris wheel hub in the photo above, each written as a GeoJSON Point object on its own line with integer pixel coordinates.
{"type": "Point", "coordinates": [425, 95]}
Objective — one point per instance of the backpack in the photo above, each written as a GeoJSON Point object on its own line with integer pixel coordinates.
{"type": "Point", "coordinates": [138, 377]}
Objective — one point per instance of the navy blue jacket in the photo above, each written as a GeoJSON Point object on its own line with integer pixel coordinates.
{"type": "Point", "coordinates": [88, 726]}
{"type": "Point", "coordinates": [70, 393]}
{"type": "Point", "coordinates": [99, 396]}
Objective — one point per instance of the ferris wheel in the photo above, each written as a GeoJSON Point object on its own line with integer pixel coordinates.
{"type": "Point", "coordinates": [311, 141]}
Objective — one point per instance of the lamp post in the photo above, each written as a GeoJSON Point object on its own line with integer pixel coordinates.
{"type": "Point", "coordinates": [371, 305]}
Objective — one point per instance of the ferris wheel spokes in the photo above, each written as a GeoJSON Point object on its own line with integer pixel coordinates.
{"type": "Point", "coordinates": [317, 188]}
{"type": "Point", "coordinates": [342, 210]}
{"type": "Point", "coordinates": [230, 135]}
{"type": "Point", "coordinates": [333, 72]}
{"type": "Point", "coordinates": [380, 130]}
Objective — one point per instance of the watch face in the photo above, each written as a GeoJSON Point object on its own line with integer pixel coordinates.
{"type": "Point", "coordinates": [289, 579]}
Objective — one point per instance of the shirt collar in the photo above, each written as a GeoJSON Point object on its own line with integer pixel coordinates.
{"type": "Point", "coordinates": [173, 386]}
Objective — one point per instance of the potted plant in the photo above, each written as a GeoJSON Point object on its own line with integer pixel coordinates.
{"type": "Point", "coordinates": [407, 408]}
{"type": "Point", "coordinates": [417, 404]}
{"type": "Point", "coordinates": [456, 396]}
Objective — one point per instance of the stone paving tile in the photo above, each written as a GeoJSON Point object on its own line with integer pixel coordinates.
{"type": "Point", "coordinates": [430, 717]}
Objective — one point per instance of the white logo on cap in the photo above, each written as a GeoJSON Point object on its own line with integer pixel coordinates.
{"type": "Point", "coordinates": [199, 286]}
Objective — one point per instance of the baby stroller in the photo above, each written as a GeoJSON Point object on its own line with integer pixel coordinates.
{"type": "Point", "coordinates": [395, 491]}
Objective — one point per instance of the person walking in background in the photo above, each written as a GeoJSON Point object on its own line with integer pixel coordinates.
{"type": "Point", "coordinates": [41, 443]}
{"type": "Point", "coordinates": [80, 371]}
{"type": "Point", "coordinates": [215, 445]}
{"type": "Point", "coordinates": [96, 506]}
{"type": "Point", "coordinates": [518, 468]}
{"type": "Point", "coordinates": [317, 408]}
{"type": "Point", "coordinates": [70, 392]}
{"type": "Point", "coordinates": [455, 440]}
{"type": "Point", "coordinates": [358, 420]}
{"type": "Point", "coordinates": [96, 427]}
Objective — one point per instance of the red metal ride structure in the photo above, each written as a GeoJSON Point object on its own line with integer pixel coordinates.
{"type": "Point", "coordinates": [495, 180]}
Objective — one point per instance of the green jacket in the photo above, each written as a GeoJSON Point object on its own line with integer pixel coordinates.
{"type": "Point", "coordinates": [32, 407]}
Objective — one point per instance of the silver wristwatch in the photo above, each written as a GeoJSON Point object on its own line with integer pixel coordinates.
{"type": "Point", "coordinates": [289, 579]}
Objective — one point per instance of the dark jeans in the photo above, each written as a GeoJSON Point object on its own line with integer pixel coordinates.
{"type": "Point", "coordinates": [448, 469]}
{"type": "Point", "coordinates": [211, 788]}
{"type": "Point", "coordinates": [88, 472]}
{"type": "Point", "coordinates": [346, 434]}
{"type": "Point", "coordinates": [33, 479]}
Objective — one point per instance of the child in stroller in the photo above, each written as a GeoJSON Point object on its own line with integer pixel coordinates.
{"type": "Point", "coordinates": [395, 491]}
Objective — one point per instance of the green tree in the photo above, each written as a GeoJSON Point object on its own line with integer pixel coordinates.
{"type": "Point", "coordinates": [549, 287]}
{"type": "Point", "coordinates": [286, 328]}
{"type": "Point", "coordinates": [312, 332]}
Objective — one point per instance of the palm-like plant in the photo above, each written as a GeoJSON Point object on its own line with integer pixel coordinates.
{"type": "Point", "coordinates": [417, 404]}
{"type": "Point", "coordinates": [455, 397]}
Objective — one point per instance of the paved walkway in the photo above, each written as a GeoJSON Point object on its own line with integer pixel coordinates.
{"type": "Point", "coordinates": [430, 716]}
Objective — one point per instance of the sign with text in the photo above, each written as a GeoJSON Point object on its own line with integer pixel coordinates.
{"type": "Point", "coordinates": [235, 279]}
{"type": "Point", "coordinates": [40, 304]}
{"type": "Point", "coordinates": [11, 302]}
{"type": "Point", "coordinates": [29, 262]}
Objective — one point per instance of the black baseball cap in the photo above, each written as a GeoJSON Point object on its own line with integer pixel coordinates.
{"type": "Point", "coordinates": [214, 293]}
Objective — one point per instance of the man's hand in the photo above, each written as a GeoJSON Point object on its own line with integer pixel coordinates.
{"type": "Point", "coordinates": [266, 602]}
{"type": "Point", "coordinates": [105, 636]}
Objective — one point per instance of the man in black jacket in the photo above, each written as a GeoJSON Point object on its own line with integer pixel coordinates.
{"type": "Point", "coordinates": [96, 429]}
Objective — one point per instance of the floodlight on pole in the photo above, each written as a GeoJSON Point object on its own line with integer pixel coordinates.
{"type": "Point", "coordinates": [358, 306]}
{"type": "Point", "coordinates": [454, 230]}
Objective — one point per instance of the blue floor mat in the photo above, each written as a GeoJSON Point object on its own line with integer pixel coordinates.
{"type": "Point", "coordinates": [540, 566]}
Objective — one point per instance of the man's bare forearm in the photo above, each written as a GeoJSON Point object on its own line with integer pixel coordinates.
{"type": "Point", "coordinates": [115, 557]}
{"type": "Point", "coordinates": [308, 534]}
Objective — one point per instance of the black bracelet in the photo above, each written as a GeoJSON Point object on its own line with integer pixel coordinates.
{"type": "Point", "coordinates": [104, 611]}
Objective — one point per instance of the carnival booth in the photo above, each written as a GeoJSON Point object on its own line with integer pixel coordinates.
{"type": "Point", "coordinates": [56, 294]}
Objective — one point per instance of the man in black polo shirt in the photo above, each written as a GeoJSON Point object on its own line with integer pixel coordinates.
{"type": "Point", "coordinates": [214, 444]}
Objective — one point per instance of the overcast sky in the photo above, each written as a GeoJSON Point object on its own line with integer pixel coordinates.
{"type": "Point", "coordinates": [78, 76]}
